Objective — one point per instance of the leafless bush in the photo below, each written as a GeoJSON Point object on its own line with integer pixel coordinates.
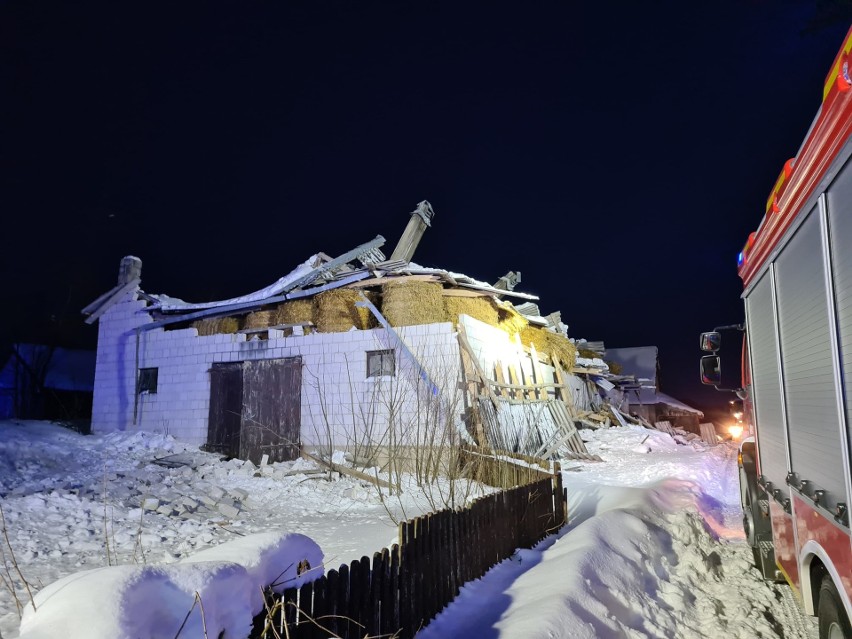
{"type": "Point", "coordinates": [10, 566]}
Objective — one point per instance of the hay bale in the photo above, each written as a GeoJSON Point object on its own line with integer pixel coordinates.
{"type": "Point", "coordinates": [407, 303]}
{"type": "Point", "coordinates": [216, 325]}
{"type": "Point", "coordinates": [258, 319]}
{"type": "Point", "coordinates": [294, 312]}
{"type": "Point", "coordinates": [481, 308]}
{"type": "Point", "coordinates": [336, 312]}
{"type": "Point", "coordinates": [553, 344]}
{"type": "Point", "coordinates": [510, 320]}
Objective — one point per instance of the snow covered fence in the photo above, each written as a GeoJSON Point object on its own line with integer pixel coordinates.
{"type": "Point", "coordinates": [406, 586]}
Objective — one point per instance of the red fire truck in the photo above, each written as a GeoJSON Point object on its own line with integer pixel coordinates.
{"type": "Point", "coordinates": [796, 268]}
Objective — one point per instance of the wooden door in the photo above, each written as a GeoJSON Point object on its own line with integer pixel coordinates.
{"type": "Point", "coordinates": [226, 407]}
{"type": "Point", "coordinates": [271, 415]}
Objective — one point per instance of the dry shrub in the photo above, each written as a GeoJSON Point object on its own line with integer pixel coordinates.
{"type": "Point", "coordinates": [408, 303]}
{"type": "Point", "coordinates": [551, 343]}
{"type": "Point", "coordinates": [216, 325]}
{"type": "Point", "coordinates": [614, 367]}
{"type": "Point", "coordinates": [336, 311]}
{"type": "Point", "coordinates": [481, 308]}
{"type": "Point", "coordinates": [258, 319]}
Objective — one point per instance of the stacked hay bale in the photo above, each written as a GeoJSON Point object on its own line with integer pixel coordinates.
{"type": "Point", "coordinates": [216, 325]}
{"type": "Point", "coordinates": [550, 343]}
{"type": "Point", "coordinates": [481, 308]}
{"type": "Point", "coordinates": [258, 319]}
{"type": "Point", "coordinates": [411, 302]}
{"type": "Point", "coordinates": [295, 312]}
{"type": "Point", "coordinates": [335, 311]}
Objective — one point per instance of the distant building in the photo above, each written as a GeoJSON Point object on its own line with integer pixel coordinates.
{"type": "Point", "coordinates": [644, 396]}
{"type": "Point", "coordinates": [45, 382]}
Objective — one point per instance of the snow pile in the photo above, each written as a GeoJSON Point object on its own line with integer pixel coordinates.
{"type": "Point", "coordinates": [217, 590]}
{"type": "Point", "coordinates": [654, 547]}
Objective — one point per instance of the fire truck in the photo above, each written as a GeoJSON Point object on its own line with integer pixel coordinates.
{"type": "Point", "coordinates": [796, 381]}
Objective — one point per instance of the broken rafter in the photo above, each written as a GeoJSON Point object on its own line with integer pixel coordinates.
{"type": "Point", "coordinates": [343, 470]}
{"type": "Point", "coordinates": [245, 307]}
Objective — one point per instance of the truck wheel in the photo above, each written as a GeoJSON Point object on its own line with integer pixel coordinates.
{"type": "Point", "coordinates": [833, 623]}
{"type": "Point", "coordinates": [748, 498]}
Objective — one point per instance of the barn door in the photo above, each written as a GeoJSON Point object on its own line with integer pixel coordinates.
{"type": "Point", "coordinates": [226, 408]}
{"type": "Point", "coordinates": [271, 412]}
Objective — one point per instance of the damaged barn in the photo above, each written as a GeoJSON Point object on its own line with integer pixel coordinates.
{"type": "Point", "coordinates": [373, 356]}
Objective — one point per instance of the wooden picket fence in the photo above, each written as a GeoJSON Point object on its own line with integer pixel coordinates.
{"type": "Point", "coordinates": [400, 590]}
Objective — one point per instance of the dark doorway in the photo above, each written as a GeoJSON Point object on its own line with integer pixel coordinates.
{"type": "Point", "coordinates": [255, 409]}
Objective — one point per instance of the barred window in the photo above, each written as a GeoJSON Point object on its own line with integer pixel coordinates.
{"type": "Point", "coordinates": [380, 363]}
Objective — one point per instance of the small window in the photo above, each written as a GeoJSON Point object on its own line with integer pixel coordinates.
{"type": "Point", "coordinates": [147, 382]}
{"type": "Point", "coordinates": [380, 363]}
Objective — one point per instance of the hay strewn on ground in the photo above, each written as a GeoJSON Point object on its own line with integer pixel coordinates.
{"type": "Point", "coordinates": [336, 311]}
{"type": "Point", "coordinates": [481, 308]}
{"type": "Point", "coordinates": [407, 303]}
{"type": "Point", "coordinates": [547, 342]}
{"type": "Point", "coordinates": [216, 325]}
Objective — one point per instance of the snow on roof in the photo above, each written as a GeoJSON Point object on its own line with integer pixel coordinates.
{"type": "Point", "coordinates": [668, 400]}
{"type": "Point", "coordinates": [167, 303]}
{"type": "Point", "coordinates": [66, 370]}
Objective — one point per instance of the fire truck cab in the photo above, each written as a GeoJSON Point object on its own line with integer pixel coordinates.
{"type": "Point", "coordinates": [796, 268]}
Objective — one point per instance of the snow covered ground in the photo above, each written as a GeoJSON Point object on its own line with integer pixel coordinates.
{"type": "Point", "coordinates": [654, 547]}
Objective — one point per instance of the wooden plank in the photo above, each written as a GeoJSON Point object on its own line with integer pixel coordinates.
{"type": "Point", "coordinates": [376, 281]}
{"type": "Point", "coordinates": [345, 627]}
{"type": "Point", "coordinates": [374, 625]}
{"type": "Point", "coordinates": [587, 371]}
{"type": "Point", "coordinates": [516, 385]}
{"type": "Point", "coordinates": [351, 472]}
{"type": "Point", "coordinates": [465, 344]}
{"type": "Point", "coordinates": [538, 373]}
{"type": "Point", "coordinates": [525, 378]}
{"type": "Point", "coordinates": [501, 379]}
{"type": "Point", "coordinates": [565, 392]}
{"type": "Point", "coordinates": [461, 292]}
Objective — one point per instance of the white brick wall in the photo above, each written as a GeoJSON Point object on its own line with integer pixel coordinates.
{"type": "Point", "coordinates": [338, 402]}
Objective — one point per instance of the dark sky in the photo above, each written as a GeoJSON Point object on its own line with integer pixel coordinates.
{"type": "Point", "coordinates": [616, 153]}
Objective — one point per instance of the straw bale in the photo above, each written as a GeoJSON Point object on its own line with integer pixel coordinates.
{"type": "Point", "coordinates": [550, 343]}
{"type": "Point", "coordinates": [407, 303]}
{"type": "Point", "coordinates": [216, 325]}
{"type": "Point", "coordinates": [510, 320]}
{"type": "Point", "coordinates": [294, 312]}
{"type": "Point", "coordinates": [258, 319]}
{"type": "Point", "coordinates": [481, 308]}
{"type": "Point", "coordinates": [336, 311]}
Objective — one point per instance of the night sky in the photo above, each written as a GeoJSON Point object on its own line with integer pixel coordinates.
{"type": "Point", "coordinates": [616, 153]}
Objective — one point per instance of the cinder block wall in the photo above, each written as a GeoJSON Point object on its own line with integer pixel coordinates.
{"type": "Point", "coordinates": [340, 406]}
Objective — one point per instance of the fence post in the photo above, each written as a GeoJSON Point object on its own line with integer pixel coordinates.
{"type": "Point", "coordinates": [374, 627]}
